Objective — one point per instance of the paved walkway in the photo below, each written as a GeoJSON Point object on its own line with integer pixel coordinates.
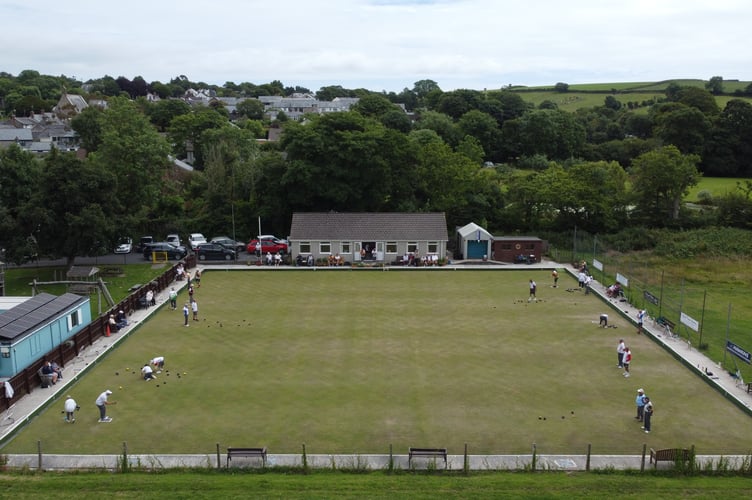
{"type": "Point", "coordinates": [30, 405]}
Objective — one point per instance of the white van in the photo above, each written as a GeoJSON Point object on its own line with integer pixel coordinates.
{"type": "Point", "coordinates": [195, 239]}
{"type": "Point", "coordinates": [174, 239]}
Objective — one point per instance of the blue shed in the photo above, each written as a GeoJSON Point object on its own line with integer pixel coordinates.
{"type": "Point", "coordinates": [38, 325]}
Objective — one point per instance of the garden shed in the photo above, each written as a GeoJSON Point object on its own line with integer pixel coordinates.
{"type": "Point", "coordinates": [368, 236]}
{"type": "Point", "coordinates": [474, 242]}
{"type": "Point", "coordinates": [82, 279]}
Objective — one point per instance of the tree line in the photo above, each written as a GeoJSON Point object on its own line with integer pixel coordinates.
{"type": "Point", "coordinates": [601, 169]}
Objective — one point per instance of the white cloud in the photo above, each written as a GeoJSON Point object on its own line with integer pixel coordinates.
{"type": "Point", "coordinates": [381, 44]}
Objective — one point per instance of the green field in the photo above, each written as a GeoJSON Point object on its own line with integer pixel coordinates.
{"type": "Point", "coordinates": [18, 280]}
{"type": "Point", "coordinates": [716, 186]}
{"type": "Point", "coordinates": [588, 95]}
{"type": "Point", "coordinates": [355, 361]}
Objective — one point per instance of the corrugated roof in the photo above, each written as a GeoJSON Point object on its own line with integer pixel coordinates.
{"type": "Point", "coordinates": [368, 226]}
{"type": "Point", "coordinates": [34, 313]}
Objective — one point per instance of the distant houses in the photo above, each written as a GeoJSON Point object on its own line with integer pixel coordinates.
{"type": "Point", "coordinates": [40, 132]}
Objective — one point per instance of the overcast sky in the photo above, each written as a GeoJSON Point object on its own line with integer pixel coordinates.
{"type": "Point", "coordinates": [380, 44]}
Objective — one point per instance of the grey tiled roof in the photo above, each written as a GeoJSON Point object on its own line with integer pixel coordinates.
{"type": "Point", "coordinates": [368, 226]}
{"type": "Point", "coordinates": [13, 134]}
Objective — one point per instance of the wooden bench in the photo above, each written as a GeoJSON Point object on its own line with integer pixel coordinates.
{"type": "Point", "coordinates": [668, 326]}
{"type": "Point", "coordinates": [247, 453]}
{"type": "Point", "coordinates": [427, 452]}
{"type": "Point", "coordinates": [669, 455]}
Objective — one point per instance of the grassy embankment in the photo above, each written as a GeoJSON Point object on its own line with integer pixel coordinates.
{"type": "Point", "coordinates": [200, 485]}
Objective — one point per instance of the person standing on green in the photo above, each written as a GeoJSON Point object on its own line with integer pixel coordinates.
{"type": "Point", "coordinates": [173, 299]}
{"type": "Point", "coordinates": [647, 414]}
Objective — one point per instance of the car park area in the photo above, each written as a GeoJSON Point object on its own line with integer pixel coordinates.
{"type": "Point", "coordinates": [267, 246]}
{"type": "Point", "coordinates": [172, 252]}
{"type": "Point", "coordinates": [227, 242]}
{"type": "Point", "coordinates": [214, 251]}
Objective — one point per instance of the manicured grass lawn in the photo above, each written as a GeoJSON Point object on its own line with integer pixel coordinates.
{"type": "Point", "coordinates": [353, 361]}
{"type": "Point", "coordinates": [197, 485]}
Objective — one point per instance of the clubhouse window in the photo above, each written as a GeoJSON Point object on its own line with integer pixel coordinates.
{"type": "Point", "coordinates": [391, 247]}
{"type": "Point", "coordinates": [305, 247]}
{"type": "Point", "coordinates": [325, 247]}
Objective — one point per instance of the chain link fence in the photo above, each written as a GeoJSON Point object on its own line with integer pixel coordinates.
{"type": "Point", "coordinates": [718, 324]}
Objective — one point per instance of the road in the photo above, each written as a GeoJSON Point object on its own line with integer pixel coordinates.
{"type": "Point", "coordinates": [113, 259]}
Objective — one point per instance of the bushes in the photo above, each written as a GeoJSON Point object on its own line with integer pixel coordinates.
{"type": "Point", "coordinates": [707, 242]}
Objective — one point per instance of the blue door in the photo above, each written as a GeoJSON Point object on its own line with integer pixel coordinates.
{"type": "Point", "coordinates": [476, 249]}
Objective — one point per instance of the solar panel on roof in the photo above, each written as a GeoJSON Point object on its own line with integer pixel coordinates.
{"type": "Point", "coordinates": [38, 310]}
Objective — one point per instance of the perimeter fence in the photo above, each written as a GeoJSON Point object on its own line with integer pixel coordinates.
{"type": "Point", "coordinates": [716, 319]}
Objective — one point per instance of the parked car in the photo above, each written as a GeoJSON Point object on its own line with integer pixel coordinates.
{"type": "Point", "coordinates": [174, 239]}
{"type": "Point", "coordinates": [125, 245]}
{"type": "Point", "coordinates": [214, 251]}
{"type": "Point", "coordinates": [271, 237]}
{"type": "Point", "coordinates": [144, 242]}
{"type": "Point", "coordinates": [195, 239]}
{"type": "Point", "coordinates": [172, 251]}
{"type": "Point", "coordinates": [228, 243]}
{"type": "Point", "coordinates": [267, 246]}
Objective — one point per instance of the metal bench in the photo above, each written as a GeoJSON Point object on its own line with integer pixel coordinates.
{"type": "Point", "coordinates": [247, 453]}
{"type": "Point", "coordinates": [428, 453]}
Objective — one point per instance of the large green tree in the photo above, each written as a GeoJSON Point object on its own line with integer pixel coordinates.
{"type": "Point", "coordinates": [556, 134]}
{"type": "Point", "coordinates": [728, 149]}
{"type": "Point", "coordinates": [599, 197]}
{"type": "Point", "coordinates": [683, 126]}
{"type": "Point", "coordinates": [339, 161]}
{"type": "Point", "coordinates": [441, 124]}
{"type": "Point", "coordinates": [229, 173]}
{"type": "Point", "coordinates": [253, 109]}
{"type": "Point", "coordinates": [161, 113]}
{"type": "Point", "coordinates": [660, 180]}
{"type": "Point", "coordinates": [483, 128]}
{"type": "Point", "coordinates": [137, 156]}
{"type": "Point", "coordinates": [88, 126]}
{"type": "Point", "coordinates": [20, 174]}
{"type": "Point", "coordinates": [185, 132]}
{"type": "Point", "coordinates": [75, 213]}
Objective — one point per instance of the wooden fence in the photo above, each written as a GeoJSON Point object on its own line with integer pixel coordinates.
{"type": "Point", "coordinates": [28, 379]}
